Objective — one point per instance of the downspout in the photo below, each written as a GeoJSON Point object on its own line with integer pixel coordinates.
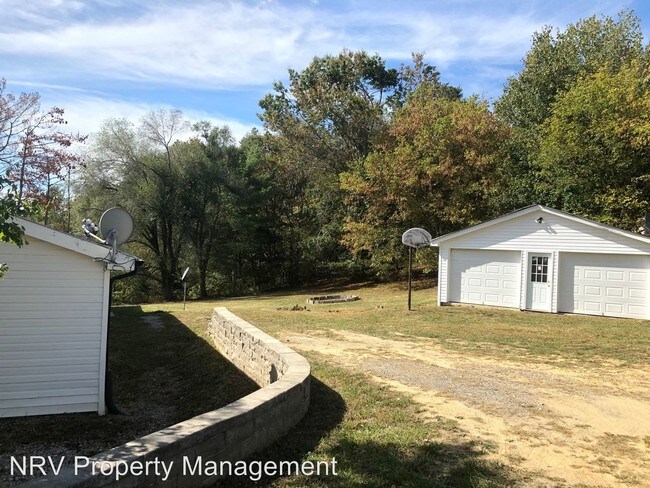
{"type": "Point", "coordinates": [108, 385]}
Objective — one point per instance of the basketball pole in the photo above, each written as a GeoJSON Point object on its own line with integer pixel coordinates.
{"type": "Point", "coordinates": [414, 238]}
{"type": "Point", "coordinates": [410, 266]}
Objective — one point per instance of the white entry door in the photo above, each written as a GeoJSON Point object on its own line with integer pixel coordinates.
{"type": "Point", "coordinates": [539, 282]}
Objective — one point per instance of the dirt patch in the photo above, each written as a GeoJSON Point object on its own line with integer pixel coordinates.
{"type": "Point", "coordinates": [567, 423]}
{"type": "Point", "coordinates": [154, 321]}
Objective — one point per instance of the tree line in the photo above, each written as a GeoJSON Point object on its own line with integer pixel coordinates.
{"type": "Point", "coordinates": [352, 154]}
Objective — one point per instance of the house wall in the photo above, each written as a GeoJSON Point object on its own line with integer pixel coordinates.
{"type": "Point", "coordinates": [443, 275]}
{"type": "Point", "coordinates": [52, 333]}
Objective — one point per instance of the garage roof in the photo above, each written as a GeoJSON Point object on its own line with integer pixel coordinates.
{"type": "Point", "coordinates": [538, 208]}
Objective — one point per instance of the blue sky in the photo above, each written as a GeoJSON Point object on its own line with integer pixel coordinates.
{"type": "Point", "coordinates": [215, 59]}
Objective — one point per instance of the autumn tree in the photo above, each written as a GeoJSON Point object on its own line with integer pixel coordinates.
{"type": "Point", "coordinates": [332, 114]}
{"type": "Point", "coordinates": [44, 160]}
{"type": "Point", "coordinates": [16, 114]}
{"type": "Point", "coordinates": [435, 170]}
{"type": "Point", "coordinates": [34, 151]}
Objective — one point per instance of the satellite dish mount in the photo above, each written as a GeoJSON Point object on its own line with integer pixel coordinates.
{"type": "Point", "coordinates": [116, 225]}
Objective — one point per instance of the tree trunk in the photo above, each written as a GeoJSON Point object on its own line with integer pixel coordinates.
{"type": "Point", "coordinates": [203, 275]}
{"type": "Point", "coordinates": [168, 286]}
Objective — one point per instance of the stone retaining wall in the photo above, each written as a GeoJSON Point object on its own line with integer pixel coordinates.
{"type": "Point", "coordinates": [230, 433]}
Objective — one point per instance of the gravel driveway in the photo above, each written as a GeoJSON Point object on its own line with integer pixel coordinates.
{"type": "Point", "coordinates": [567, 423]}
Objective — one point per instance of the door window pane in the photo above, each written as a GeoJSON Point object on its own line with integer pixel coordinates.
{"type": "Point", "coordinates": [539, 269]}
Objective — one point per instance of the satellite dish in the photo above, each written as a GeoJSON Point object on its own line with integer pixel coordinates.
{"type": "Point", "coordinates": [116, 225]}
{"type": "Point", "coordinates": [416, 238]}
{"type": "Point", "coordinates": [185, 274]}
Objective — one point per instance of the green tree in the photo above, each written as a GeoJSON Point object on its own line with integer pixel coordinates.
{"type": "Point", "coordinates": [333, 108]}
{"type": "Point", "coordinates": [264, 218]}
{"type": "Point", "coordinates": [139, 170]}
{"type": "Point", "coordinates": [189, 199]}
{"type": "Point", "coordinates": [211, 175]}
{"type": "Point", "coordinates": [595, 149]}
{"type": "Point", "coordinates": [330, 114]}
{"type": "Point", "coordinates": [555, 62]}
{"type": "Point", "coordinates": [10, 231]}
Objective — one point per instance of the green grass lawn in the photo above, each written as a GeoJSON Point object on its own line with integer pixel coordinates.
{"type": "Point", "coordinates": [527, 336]}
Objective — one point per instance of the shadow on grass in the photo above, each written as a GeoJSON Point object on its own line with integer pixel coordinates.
{"type": "Point", "coordinates": [389, 464]}
{"type": "Point", "coordinates": [431, 456]}
{"type": "Point", "coordinates": [323, 435]}
{"type": "Point", "coordinates": [157, 360]}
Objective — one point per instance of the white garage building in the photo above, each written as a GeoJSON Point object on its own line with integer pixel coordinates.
{"type": "Point", "coordinates": [54, 303]}
{"type": "Point", "coordinates": [542, 259]}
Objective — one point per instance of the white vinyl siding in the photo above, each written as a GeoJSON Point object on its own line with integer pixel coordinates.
{"type": "Point", "coordinates": [51, 306]}
{"type": "Point", "coordinates": [555, 234]}
{"type": "Point", "coordinates": [443, 270]}
{"type": "Point", "coordinates": [611, 285]}
{"type": "Point", "coordinates": [484, 277]}
{"type": "Point", "coordinates": [586, 260]}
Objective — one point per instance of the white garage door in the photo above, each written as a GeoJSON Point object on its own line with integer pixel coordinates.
{"type": "Point", "coordinates": [485, 277]}
{"type": "Point", "coordinates": [603, 284]}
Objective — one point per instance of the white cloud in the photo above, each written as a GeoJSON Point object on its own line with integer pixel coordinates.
{"type": "Point", "coordinates": [221, 45]}
{"type": "Point", "coordinates": [43, 13]}
{"type": "Point", "coordinates": [86, 113]}
{"type": "Point", "coordinates": [226, 45]}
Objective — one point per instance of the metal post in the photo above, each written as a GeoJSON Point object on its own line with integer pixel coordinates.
{"type": "Point", "coordinates": [410, 266]}
{"type": "Point", "coordinates": [184, 292]}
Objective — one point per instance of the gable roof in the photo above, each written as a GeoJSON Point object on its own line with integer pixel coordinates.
{"type": "Point", "coordinates": [539, 208]}
{"type": "Point", "coordinates": [122, 261]}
